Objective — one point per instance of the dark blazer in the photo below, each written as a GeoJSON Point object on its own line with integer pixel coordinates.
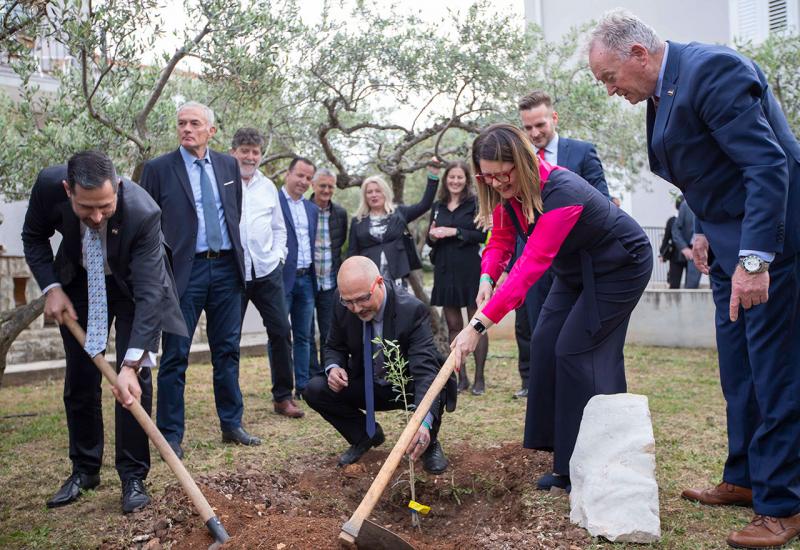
{"type": "Point", "coordinates": [166, 180]}
{"type": "Point", "coordinates": [338, 229]}
{"type": "Point", "coordinates": [720, 136]}
{"type": "Point", "coordinates": [581, 157]}
{"type": "Point", "coordinates": [362, 243]}
{"type": "Point", "coordinates": [683, 229]}
{"type": "Point", "coordinates": [135, 250]}
{"type": "Point", "coordinates": [290, 266]}
{"type": "Point", "coordinates": [406, 321]}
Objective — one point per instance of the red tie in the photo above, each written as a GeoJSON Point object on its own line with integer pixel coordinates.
{"type": "Point", "coordinates": [540, 152]}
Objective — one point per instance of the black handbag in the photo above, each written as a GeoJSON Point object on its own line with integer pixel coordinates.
{"type": "Point", "coordinates": [414, 261]}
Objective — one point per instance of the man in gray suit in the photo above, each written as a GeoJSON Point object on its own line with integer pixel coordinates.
{"type": "Point", "coordinates": [682, 234]}
{"type": "Point", "coordinates": [111, 265]}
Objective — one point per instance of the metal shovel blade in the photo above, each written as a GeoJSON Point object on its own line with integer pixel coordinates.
{"type": "Point", "coordinates": [372, 536]}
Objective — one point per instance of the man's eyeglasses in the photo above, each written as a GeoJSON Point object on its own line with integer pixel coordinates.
{"type": "Point", "coordinates": [361, 300]}
{"type": "Point", "coordinates": [501, 177]}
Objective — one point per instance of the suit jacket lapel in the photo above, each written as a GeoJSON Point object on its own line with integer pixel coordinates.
{"type": "Point", "coordinates": [71, 235]}
{"type": "Point", "coordinates": [657, 119]}
{"type": "Point", "coordinates": [221, 175]}
{"type": "Point", "coordinates": [287, 214]}
{"type": "Point", "coordinates": [389, 313]}
{"type": "Point", "coordinates": [179, 168]}
{"type": "Point", "coordinates": [563, 152]}
{"type": "Point", "coordinates": [312, 222]}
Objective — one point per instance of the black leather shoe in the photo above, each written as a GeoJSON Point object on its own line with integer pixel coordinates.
{"type": "Point", "coordinates": [72, 489]}
{"type": "Point", "coordinates": [134, 496]}
{"type": "Point", "coordinates": [520, 394]}
{"type": "Point", "coordinates": [547, 481]}
{"type": "Point", "coordinates": [176, 447]}
{"type": "Point", "coordinates": [240, 437]}
{"type": "Point", "coordinates": [355, 452]}
{"type": "Point", "coordinates": [433, 459]}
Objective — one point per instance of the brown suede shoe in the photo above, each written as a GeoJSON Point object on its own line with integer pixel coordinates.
{"type": "Point", "coordinates": [724, 494]}
{"type": "Point", "coordinates": [766, 532]}
{"type": "Point", "coordinates": [289, 408]}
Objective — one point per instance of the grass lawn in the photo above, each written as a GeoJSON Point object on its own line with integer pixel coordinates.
{"type": "Point", "coordinates": [682, 385]}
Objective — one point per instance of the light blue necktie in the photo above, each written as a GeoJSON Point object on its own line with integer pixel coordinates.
{"type": "Point", "coordinates": [369, 396]}
{"type": "Point", "coordinates": [97, 323]}
{"type": "Point", "coordinates": [213, 231]}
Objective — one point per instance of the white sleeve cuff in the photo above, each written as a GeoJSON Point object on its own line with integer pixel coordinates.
{"type": "Point", "coordinates": [328, 369]}
{"type": "Point", "coordinates": [134, 354]}
{"type": "Point", "coordinates": [48, 287]}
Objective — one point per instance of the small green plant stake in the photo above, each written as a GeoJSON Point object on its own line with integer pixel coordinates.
{"type": "Point", "coordinates": [396, 374]}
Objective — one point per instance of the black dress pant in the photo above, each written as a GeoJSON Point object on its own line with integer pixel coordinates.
{"type": "Point", "coordinates": [267, 295]}
{"type": "Point", "coordinates": [344, 410]}
{"type": "Point", "coordinates": [82, 392]}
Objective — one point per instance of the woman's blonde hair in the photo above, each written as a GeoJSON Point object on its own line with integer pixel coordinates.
{"type": "Point", "coordinates": [388, 195]}
{"type": "Point", "coordinates": [505, 143]}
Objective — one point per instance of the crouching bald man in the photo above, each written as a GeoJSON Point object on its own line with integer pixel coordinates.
{"type": "Point", "coordinates": [368, 307]}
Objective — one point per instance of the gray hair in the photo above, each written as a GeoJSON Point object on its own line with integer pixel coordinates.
{"type": "Point", "coordinates": [205, 108]}
{"type": "Point", "coordinates": [323, 172]}
{"type": "Point", "coordinates": [618, 30]}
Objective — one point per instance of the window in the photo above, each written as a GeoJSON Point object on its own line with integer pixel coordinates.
{"type": "Point", "coordinates": [755, 20]}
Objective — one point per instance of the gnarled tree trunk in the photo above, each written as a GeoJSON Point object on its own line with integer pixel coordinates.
{"type": "Point", "coordinates": [12, 323]}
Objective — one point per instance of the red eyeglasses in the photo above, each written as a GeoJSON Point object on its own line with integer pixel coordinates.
{"type": "Point", "coordinates": [501, 177]}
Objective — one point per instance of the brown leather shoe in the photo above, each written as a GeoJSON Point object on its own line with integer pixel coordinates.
{"type": "Point", "coordinates": [766, 532]}
{"type": "Point", "coordinates": [724, 494]}
{"type": "Point", "coordinates": [289, 408]}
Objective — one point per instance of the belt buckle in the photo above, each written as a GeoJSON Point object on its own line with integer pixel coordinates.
{"type": "Point", "coordinates": [212, 255]}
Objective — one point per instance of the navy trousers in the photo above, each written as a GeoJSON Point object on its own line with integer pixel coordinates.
{"type": "Point", "coordinates": [214, 286]}
{"type": "Point", "coordinates": [759, 361]}
{"type": "Point", "coordinates": [570, 364]}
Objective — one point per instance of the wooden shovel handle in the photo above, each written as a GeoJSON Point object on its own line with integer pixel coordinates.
{"type": "Point", "coordinates": [351, 529]}
{"type": "Point", "coordinates": [172, 460]}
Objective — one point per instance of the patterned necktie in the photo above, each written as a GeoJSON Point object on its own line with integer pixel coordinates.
{"type": "Point", "coordinates": [213, 231]}
{"type": "Point", "coordinates": [369, 397]}
{"type": "Point", "coordinates": [97, 324]}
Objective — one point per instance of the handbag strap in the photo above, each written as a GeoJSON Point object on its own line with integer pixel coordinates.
{"type": "Point", "coordinates": [517, 223]}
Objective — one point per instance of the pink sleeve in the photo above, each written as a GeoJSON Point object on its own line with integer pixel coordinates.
{"type": "Point", "coordinates": [543, 245]}
{"type": "Point", "coordinates": [501, 244]}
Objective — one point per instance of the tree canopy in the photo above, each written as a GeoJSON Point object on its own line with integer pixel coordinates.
{"type": "Point", "coordinates": [363, 89]}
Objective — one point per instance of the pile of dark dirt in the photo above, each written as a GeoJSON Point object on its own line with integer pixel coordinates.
{"type": "Point", "coordinates": [485, 500]}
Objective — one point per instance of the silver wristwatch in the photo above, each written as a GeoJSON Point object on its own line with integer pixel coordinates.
{"type": "Point", "coordinates": [753, 264]}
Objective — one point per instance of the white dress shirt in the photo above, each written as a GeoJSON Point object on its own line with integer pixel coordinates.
{"type": "Point", "coordinates": [301, 229]}
{"type": "Point", "coordinates": [262, 228]}
{"type": "Point", "coordinates": [551, 151]}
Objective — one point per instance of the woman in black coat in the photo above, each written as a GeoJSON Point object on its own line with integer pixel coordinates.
{"type": "Point", "coordinates": [379, 226]}
{"type": "Point", "coordinates": [455, 243]}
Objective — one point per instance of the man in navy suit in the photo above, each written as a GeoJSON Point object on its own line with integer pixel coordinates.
{"type": "Point", "coordinates": [200, 195]}
{"type": "Point", "coordinates": [715, 130]}
{"type": "Point", "coordinates": [540, 121]}
{"type": "Point", "coordinates": [299, 278]}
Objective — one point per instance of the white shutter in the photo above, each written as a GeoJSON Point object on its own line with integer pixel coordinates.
{"type": "Point", "coordinates": [778, 17]}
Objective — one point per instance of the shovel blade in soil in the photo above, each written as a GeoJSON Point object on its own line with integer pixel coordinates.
{"type": "Point", "coordinates": [372, 536]}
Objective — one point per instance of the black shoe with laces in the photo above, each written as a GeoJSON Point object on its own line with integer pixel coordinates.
{"type": "Point", "coordinates": [134, 496]}
{"type": "Point", "coordinates": [355, 452]}
{"type": "Point", "coordinates": [72, 489]}
{"type": "Point", "coordinates": [433, 459]}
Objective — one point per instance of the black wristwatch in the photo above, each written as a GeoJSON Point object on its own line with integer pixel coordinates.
{"type": "Point", "coordinates": [479, 327]}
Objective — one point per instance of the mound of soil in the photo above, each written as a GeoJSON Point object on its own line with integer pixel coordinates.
{"type": "Point", "coordinates": [484, 500]}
